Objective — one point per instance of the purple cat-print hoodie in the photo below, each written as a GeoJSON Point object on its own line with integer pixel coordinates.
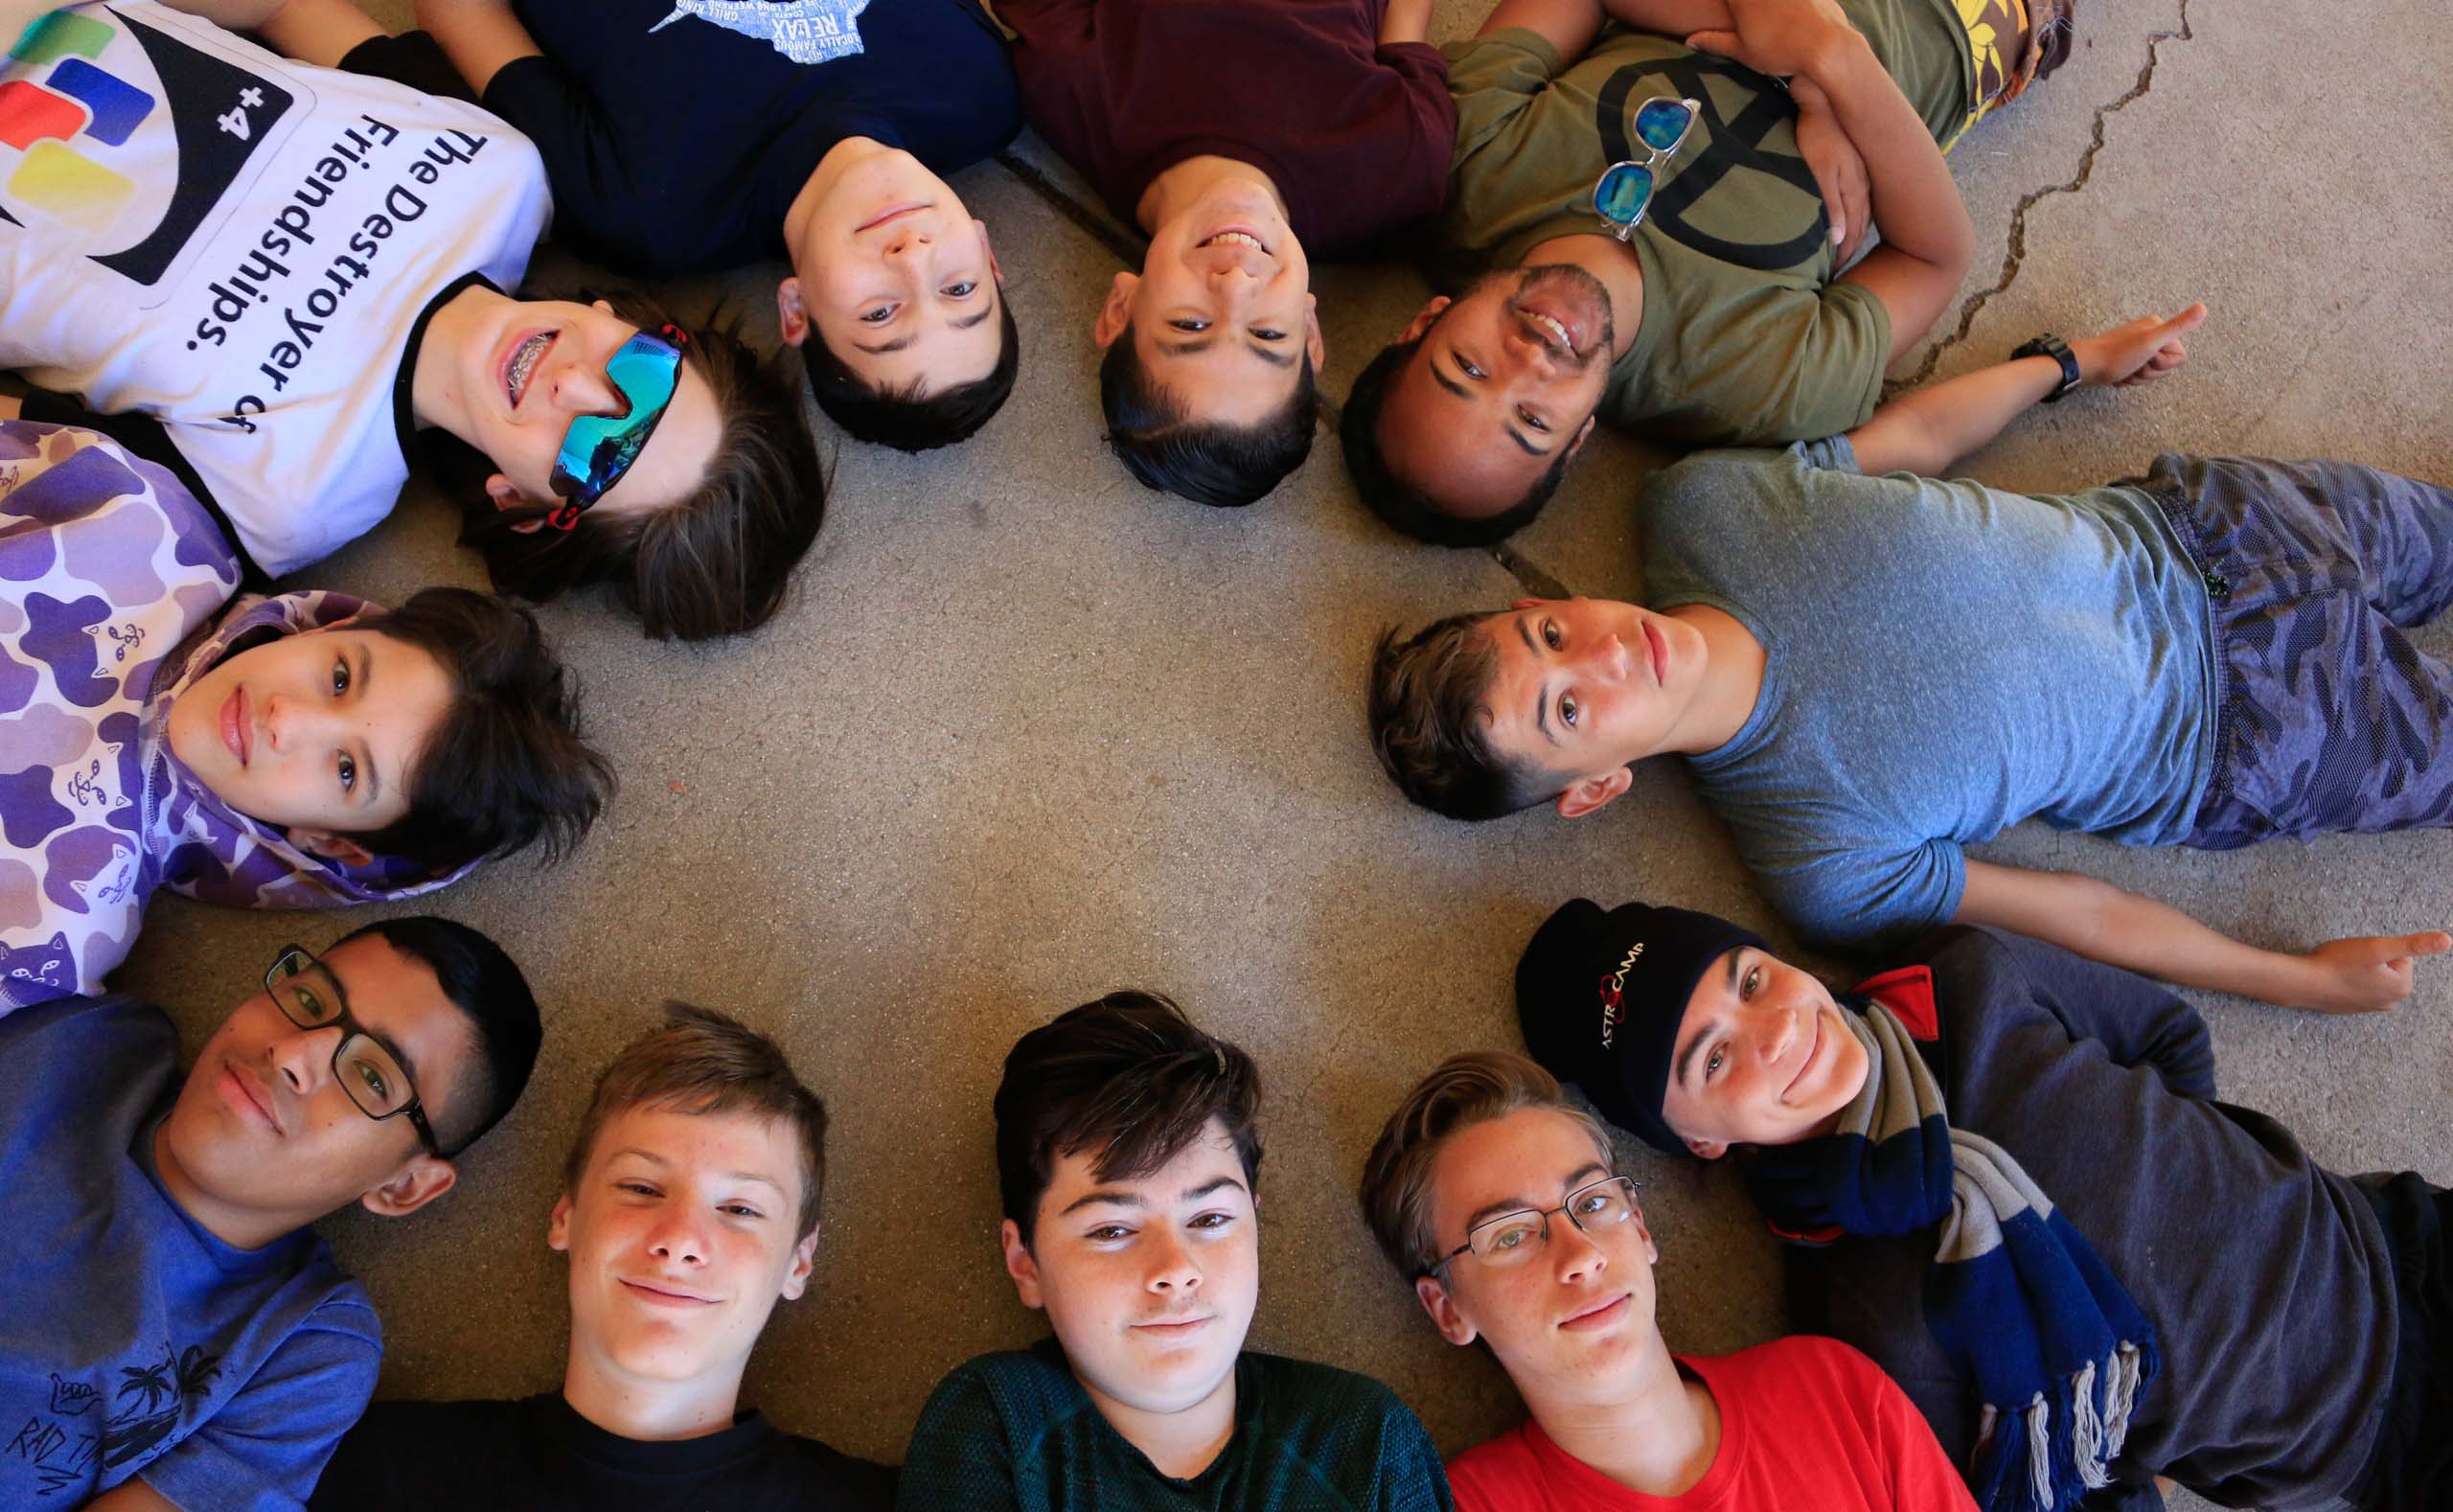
{"type": "Point", "coordinates": [108, 567]}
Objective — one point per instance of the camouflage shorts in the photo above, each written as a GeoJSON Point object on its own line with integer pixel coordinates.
{"type": "Point", "coordinates": [2329, 719]}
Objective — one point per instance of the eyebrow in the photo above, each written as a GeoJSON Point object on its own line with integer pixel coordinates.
{"type": "Point", "coordinates": [391, 1046]}
{"type": "Point", "coordinates": [1121, 1196]}
{"type": "Point", "coordinates": [884, 347]}
{"type": "Point", "coordinates": [1542, 702]}
{"type": "Point", "coordinates": [1462, 392]}
{"type": "Point", "coordinates": [1526, 1204]}
{"type": "Point", "coordinates": [659, 1161]}
{"type": "Point", "coordinates": [969, 321]}
{"type": "Point", "coordinates": [1687, 1057]}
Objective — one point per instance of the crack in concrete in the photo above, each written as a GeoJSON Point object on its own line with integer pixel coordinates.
{"type": "Point", "coordinates": [2015, 257]}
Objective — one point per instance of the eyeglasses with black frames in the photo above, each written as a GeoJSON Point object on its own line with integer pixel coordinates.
{"type": "Point", "coordinates": [368, 1068]}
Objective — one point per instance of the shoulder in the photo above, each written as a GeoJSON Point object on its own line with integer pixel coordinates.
{"type": "Point", "coordinates": [1756, 471]}
{"type": "Point", "coordinates": [1495, 1473]}
{"type": "Point", "coordinates": [1325, 1388]}
{"type": "Point", "coordinates": [842, 1480]}
{"type": "Point", "coordinates": [401, 1454]}
{"type": "Point", "coordinates": [1013, 1385]}
{"type": "Point", "coordinates": [106, 1042]}
{"type": "Point", "coordinates": [1810, 1361]}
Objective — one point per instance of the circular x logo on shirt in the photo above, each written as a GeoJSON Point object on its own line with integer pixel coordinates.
{"type": "Point", "coordinates": [1728, 145]}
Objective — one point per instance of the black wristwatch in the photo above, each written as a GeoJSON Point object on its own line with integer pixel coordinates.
{"type": "Point", "coordinates": [2051, 346]}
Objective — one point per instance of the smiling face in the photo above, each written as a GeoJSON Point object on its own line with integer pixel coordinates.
{"type": "Point", "coordinates": [264, 1134]}
{"type": "Point", "coordinates": [680, 1237]}
{"type": "Point", "coordinates": [890, 272]}
{"type": "Point", "coordinates": [527, 368]}
{"type": "Point", "coordinates": [1503, 384]}
{"type": "Point", "coordinates": [1222, 313]}
{"type": "Point", "coordinates": [1584, 686]}
{"type": "Point", "coordinates": [1149, 1282]}
{"type": "Point", "coordinates": [1574, 1316]}
{"type": "Point", "coordinates": [1763, 1056]}
{"type": "Point", "coordinates": [317, 733]}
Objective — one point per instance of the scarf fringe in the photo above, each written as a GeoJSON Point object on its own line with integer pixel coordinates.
{"type": "Point", "coordinates": [2030, 1470]}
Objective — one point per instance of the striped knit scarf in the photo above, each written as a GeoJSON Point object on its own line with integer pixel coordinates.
{"type": "Point", "coordinates": [2057, 1349]}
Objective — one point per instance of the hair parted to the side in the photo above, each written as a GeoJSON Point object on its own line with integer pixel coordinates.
{"type": "Point", "coordinates": [507, 766]}
{"type": "Point", "coordinates": [1431, 722]}
{"type": "Point", "coordinates": [700, 1062]}
{"type": "Point", "coordinates": [1461, 1092]}
{"type": "Point", "coordinates": [1407, 508]}
{"type": "Point", "coordinates": [1224, 466]}
{"type": "Point", "coordinates": [485, 985]}
{"type": "Point", "coordinates": [718, 563]}
{"type": "Point", "coordinates": [904, 418]}
{"type": "Point", "coordinates": [1128, 1076]}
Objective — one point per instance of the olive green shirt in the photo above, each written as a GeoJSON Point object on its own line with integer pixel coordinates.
{"type": "Point", "coordinates": [1745, 337]}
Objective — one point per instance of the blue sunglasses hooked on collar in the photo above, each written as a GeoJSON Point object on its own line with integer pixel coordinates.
{"type": "Point", "coordinates": [597, 449]}
{"type": "Point", "coordinates": [1624, 192]}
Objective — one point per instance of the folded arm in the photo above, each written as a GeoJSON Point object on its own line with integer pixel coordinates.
{"type": "Point", "coordinates": [318, 32]}
{"type": "Point", "coordinates": [2103, 922]}
{"type": "Point", "coordinates": [478, 36]}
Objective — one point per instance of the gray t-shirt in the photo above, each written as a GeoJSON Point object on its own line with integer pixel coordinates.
{"type": "Point", "coordinates": [1942, 660]}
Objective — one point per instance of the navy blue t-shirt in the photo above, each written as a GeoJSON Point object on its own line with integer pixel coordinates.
{"type": "Point", "coordinates": [676, 132]}
{"type": "Point", "coordinates": [133, 1341]}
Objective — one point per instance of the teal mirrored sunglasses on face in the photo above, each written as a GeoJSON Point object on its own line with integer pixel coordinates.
{"type": "Point", "coordinates": [1624, 191]}
{"type": "Point", "coordinates": [597, 449]}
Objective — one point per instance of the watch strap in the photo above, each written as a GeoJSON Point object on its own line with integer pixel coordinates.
{"type": "Point", "coordinates": [2048, 345]}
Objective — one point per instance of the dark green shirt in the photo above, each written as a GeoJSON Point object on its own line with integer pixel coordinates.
{"type": "Point", "coordinates": [1016, 1431]}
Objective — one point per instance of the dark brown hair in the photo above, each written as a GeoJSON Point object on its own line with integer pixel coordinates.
{"type": "Point", "coordinates": [506, 766]}
{"type": "Point", "coordinates": [1430, 724]}
{"type": "Point", "coordinates": [1407, 508]}
{"type": "Point", "coordinates": [1128, 1076]}
{"type": "Point", "coordinates": [902, 417]}
{"type": "Point", "coordinates": [701, 1061]}
{"type": "Point", "coordinates": [1226, 465]}
{"type": "Point", "coordinates": [1461, 1092]}
{"type": "Point", "coordinates": [717, 563]}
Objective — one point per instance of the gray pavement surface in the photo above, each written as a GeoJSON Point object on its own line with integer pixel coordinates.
{"type": "Point", "coordinates": [1028, 732]}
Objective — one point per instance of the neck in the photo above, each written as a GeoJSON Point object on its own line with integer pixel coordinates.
{"type": "Point", "coordinates": [1174, 192]}
{"type": "Point", "coordinates": [1655, 1432]}
{"type": "Point", "coordinates": [1732, 680]}
{"type": "Point", "coordinates": [648, 1411]}
{"type": "Point", "coordinates": [236, 1228]}
{"type": "Point", "coordinates": [1180, 1444]}
{"type": "Point", "coordinates": [435, 396]}
{"type": "Point", "coordinates": [1613, 262]}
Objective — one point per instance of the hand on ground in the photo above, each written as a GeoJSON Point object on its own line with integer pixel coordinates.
{"type": "Point", "coordinates": [2138, 350]}
{"type": "Point", "coordinates": [2367, 972]}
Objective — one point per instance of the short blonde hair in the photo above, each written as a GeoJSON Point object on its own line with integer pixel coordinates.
{"type": "Point", "coordinates": [702, 1062]}
{"type": "Point", "coordinates": [1461, 1092]}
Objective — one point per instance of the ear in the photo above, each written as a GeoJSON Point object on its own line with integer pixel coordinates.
{"type": "Point", "coordinates": [1021, 1266]}
{"type": "Point", "coordinates": [1588, 793]}
{"type": "Point", "coordinates": [996, 268]}
{"type": "Point", "coordinates": [329, 846]}
{"type": "Point", "coordinates": [1116, 315]}
{"type": "Point", "coordinates": [1530, 604]}
{"type": "Point", "coordinates": [603, 307]}
{"type": "Point", "coordinates": [1316, 345]}
{"type": "Point", "coordinates": [1423, 318]}
{"type": "Point", "coordinates": [1577, 445]}
{"type": "Point", "coordinates": [419, 1181]}
{"type": "Point", "coordinates": [558, 1228]}
{"type": "Point", "coordinates": [1707, 1149]}
{"type": "Point", "coordinates": [1652, 1251]}
{"type": "Point", "coordinates": [506, 495]}
{"type": "Point", "coordinates": [803, 1260]}
{"type": "Point", "coordinates": [1444, 1315]}
{"type": "Point", "coordinates": [791, 316]}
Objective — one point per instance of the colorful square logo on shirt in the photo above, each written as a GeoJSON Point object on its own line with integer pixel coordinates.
{"type": "Point", "coordinates": [29, 113]}
{"type": "Point", "coordinates": [59, 180]}
{"type": "Point", "coordinates": [61, 34]}
{"type": "Point", "coordinates": [119, 106]}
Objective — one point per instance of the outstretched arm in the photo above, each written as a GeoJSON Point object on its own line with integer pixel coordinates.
{"type": "Point", "coordinates": [2100, 920]}
{"type": "Point", "coordinates": [478, 36]}
{"type": "Point", "coordinates": [1927, 240]}
{"type": "Point", "coordinates": [1926, 430]}
{"type": "Point", "coordinates": [319, 31]}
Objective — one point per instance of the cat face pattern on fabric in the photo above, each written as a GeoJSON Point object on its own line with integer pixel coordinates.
{"type": "Point", "coordinates": [108, 567]}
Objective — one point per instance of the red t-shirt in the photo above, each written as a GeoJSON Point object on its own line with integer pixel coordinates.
{"type": "Point", "coordinates": [1356, 136]}
{"type": "Point", "coordinates": [1807, 1425]}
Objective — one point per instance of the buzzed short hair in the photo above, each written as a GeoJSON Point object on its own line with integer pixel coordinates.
{"type": "Point", "coordinates": [1461, 1092]}
{"type": "Point", "coordinates": [700, 1061]}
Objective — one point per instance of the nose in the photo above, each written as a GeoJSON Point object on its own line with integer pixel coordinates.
{"type": "Point", "coordinates": [1172, 1270]}
{"type": "Point", "coordinates": [581, 387]}
{"type": "Point", "coordinates": [1606, 657]}
{"type": "Point", "coordinates": [290, 722]}
{"type": "Point", "coordinates": [1776, 1031]}
{"type": "Point", "coordinates": [1572, 1250]}
{"type": "Point", "coordinates": [303, 1058]}
{"type": "Point", "coordinates": [911, 236]}
{"type": "Point", "coordinates": [678, 1238]}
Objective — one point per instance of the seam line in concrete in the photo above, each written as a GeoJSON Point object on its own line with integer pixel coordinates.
{"type": "Point", "coordinates": [2014, 256]}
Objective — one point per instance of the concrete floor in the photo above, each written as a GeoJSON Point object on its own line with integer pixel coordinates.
{"type": "Point", "coordinates": [1028, 732]}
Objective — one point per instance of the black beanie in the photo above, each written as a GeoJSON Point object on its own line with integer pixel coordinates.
{"type": "Point", "coordinates": [1600, 996]}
